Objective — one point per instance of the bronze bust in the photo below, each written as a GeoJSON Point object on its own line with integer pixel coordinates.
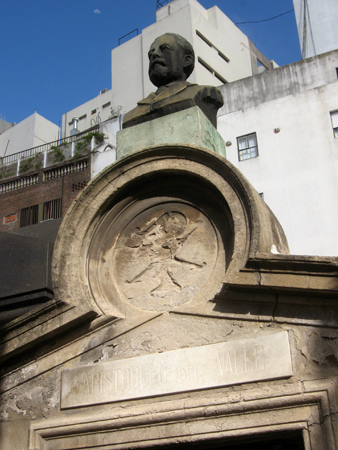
{"type": "Point", "coordinates": [171, 62]}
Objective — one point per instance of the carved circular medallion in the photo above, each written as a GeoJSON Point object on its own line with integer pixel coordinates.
{"type": "Point", "coordinates": [157, 253]}
{"type": "Point", "coordinates": [164, 256]}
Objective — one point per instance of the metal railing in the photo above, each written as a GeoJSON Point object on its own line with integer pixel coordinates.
{"type": "Point", "coordinates": [160, 3]}
{"type": "Point", "coordinates": [24, 154]}
{"type": "Point", "coordinates": [128, 35]}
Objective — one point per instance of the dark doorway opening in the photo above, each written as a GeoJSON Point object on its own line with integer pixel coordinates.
{"type": "Point", "coordinates": [268, 441]}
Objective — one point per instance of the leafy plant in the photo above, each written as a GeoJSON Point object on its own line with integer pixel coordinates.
{"type": "Point", "coordinates": [6, 172]}
{"type": "Point", "coordinates": [83, 143]}
{"type": "Point", "coordinates": [99, 137]}
{"type": "Point", "coordinates": [27, 165]}
{"type": "Point", "coordinates": [80, 146]}
{"type": "Point", "coordinates": [38, 165]}
{"type": "Point", "coordinates": [58, 155]}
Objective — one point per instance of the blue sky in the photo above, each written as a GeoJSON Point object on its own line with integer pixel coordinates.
{"type": "Point", "coordinates": [55, 54]}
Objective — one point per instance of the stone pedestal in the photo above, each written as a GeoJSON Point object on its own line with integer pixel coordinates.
{"type": "Point", "coordinates": [187, 127]}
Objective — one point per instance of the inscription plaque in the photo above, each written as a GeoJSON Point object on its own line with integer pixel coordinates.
{"type": "Point", "coordinates": [214, 365]}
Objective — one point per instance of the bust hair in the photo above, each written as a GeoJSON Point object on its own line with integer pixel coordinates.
{"type": "Point", "coordinates": [187, 49]}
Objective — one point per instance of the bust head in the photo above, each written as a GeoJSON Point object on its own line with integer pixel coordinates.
{"type": "Point", "coordinates": [171, 58]}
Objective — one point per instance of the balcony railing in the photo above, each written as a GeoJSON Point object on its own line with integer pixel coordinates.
{"type": "Point", "coordinates": [25, 154]}
{"type": "Point", "coordinates": [65, 170]}
{"type": "Point", "coordinates": [19, 183]}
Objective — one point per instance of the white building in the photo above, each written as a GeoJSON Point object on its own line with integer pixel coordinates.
{"type": "Point", "coordinates": [223, 54]}
{"type": "Point", "coordinates": [4, 126]}
{"type": "Point", "coordinates": [281, 129]}
{"type": "Point", "coordinates": [317, 26]}
{"type": "Point", "coordinates": [33, 131]}
{"type": "Point", "coordinates": [280, 126]}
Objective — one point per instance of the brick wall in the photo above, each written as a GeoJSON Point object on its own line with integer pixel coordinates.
{"type": "Point", "coordinates": [66, 186]}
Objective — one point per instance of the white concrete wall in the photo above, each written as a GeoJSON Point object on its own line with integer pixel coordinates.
{"type": "Point", "coordinates": [320, 24]}
{"type": "Point", "coordinates": [105, 154]}
{"type": "Point", "coordinates": [4, 126]}
{"type": "Point", "coordinates": [227, 38]}
{"type": "Point", "coordinates": [127, 73]}
{"type": "Point", "coordinates": [287, 80]}
{"type": "Point", "coordinates": [297, 167]}
{"type": "Point", "coordinates": [182, 17]}
{"type": "Point", "coordinates": [90, 113]}
{"type": "Point", "coordinates": [35, 130]}
{"type": "Point", "coordinates": [44, 131]}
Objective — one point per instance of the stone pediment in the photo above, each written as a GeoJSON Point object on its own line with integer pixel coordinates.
{"type": "Point", "coordinates": [171, 229]}
{"type": "Point", "coordinates": [159, 231]}
{"type": "Point", "coordinates": [173, 285]}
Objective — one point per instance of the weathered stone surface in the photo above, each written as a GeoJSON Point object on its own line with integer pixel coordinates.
{"type": "Point", "coordinates": [14, 435]}
{"type": "Point", "coordinates": [232, 362]}
{"type": "Point", "coordinates": [163, 257]}
{"type": "Point", "coordinates": [168, 252]}
{"type": "Point", "coordinates": [190, 127]}
{"type": "Point", "coordinates": [128, 259]}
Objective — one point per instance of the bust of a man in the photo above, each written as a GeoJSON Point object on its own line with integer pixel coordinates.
{"type": "Point", "coordinates": [171, 62]}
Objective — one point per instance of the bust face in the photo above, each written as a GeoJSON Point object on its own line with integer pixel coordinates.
{"type": "Point", "coordinates": [166, 61]}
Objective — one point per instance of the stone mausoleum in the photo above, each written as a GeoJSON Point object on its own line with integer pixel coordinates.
{"type": "Point", "coordinates": [179, 320]}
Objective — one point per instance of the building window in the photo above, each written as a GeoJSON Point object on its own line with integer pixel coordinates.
{"type": "Point", "coordinates": [52, 209]}
{"type": "Point", "coordinates": [40, 212]}
{"type": "Point", "coordinates": [247, 147]}
{"type": "Point", "coordinates": [211, 70]}
{"type": "Point", "coordinates": [334, 120]}
{"type": "Point", "coordinates": [206, 40]}
{"type": "Point", "coordinates": [29, 216]}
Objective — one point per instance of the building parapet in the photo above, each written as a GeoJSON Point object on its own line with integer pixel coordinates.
{"type": "Point", "coordinates": [287, 80]}
{"type": "Point", "coordinates": [69, 152]}
{"type": "Point", "coordinates": [19, 183]}
{"type": "Point", "coordinates": [66, 169]}
{"type": "Point", "coordinates": [48, 175]}
{"type": "Point", "coordinates": [31, 152]}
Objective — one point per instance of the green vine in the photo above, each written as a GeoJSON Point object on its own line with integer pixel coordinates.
{"type": "Point", "coordinates": [58, 155]}
{"type": "Point", "coordinates": [32, 163]}
{"type": "Point", "coordinates": [99, 137]}
{"type": "Point", "coordinates": [83, 143]}
{"type": "Point", "coordinates": [6, 174]}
